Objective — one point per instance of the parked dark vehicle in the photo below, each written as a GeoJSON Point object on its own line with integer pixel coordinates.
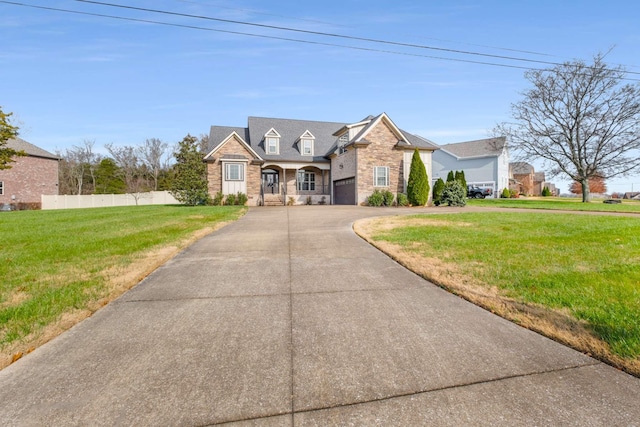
{"type": "Point", "coordinates": [478, 193]}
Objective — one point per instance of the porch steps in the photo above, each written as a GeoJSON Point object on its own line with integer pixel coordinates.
{"type": "Point", "coordinates": [273, 200]}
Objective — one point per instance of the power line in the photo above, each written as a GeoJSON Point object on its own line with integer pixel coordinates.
{"type": "Point", "coordinates": [147, 21]}
{"type": "Point", "coordinates": [256, 12]}
{"type": "Point", "coordinates": [193, 27]}
{"type": "Point", "coordinates": [325, 34]}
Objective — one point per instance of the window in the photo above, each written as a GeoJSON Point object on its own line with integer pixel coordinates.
{"type": "Point", "coordinates": [272, 145]}
{"type": "Point", "coordinates": [307, 147]}
{"type": "Point", "coordinates": [1, 188]}
{"type": "Point", "coordinates": [342, 141]}
{"type": "Point", "coordinates": [380, 176]}
{"type": "Point", "coordinates": [306, 181]}
{"type": "Point", "coordinates": [234, 172]}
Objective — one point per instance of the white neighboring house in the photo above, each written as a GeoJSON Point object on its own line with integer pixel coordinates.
{"type": "Point", "coordinates": [485, 162]}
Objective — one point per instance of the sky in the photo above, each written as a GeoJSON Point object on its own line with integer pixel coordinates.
{"type": "Point", "coordinates": [73, 77]}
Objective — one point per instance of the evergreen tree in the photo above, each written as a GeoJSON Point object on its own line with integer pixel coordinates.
{"type": "Point", "coordinates": [418, 183]}
{"type": "Point", "coordinates": [437, 191]}
{"type": "Point", "coordinates": [7, 132]}
{"type": "Point", "coordinates": [453, 194]}
{"type": "Point", "coordinates": [462, 180]}
{"type": "Point", "coordinates": [109, 179]}
{"type": "Point", "coordinates": [189, 185]}
{"type": "Point", "coordinates": [450, 176]}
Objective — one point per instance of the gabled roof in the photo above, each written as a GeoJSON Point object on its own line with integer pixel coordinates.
{"type": "Point", "coordinates": [290, 131]}
{"type": "Point", "coordinates": [233, 135]}
{"type": "Point", "coordinates": [20, 144]}
{"type": "Point", "coordinates": [520, 168]}
{"type": "Point", "coordinates": [490, 147]}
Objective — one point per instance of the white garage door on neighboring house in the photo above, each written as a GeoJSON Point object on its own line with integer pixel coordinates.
{"type": "Point", "coordinates": [344, 192]}
{"type": "Point", "coordinates": [234, 177]}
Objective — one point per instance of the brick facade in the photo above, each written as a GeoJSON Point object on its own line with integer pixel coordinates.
{"type": "Point", "coordinates": [29, 178]}
{"type": "Point", "coordinates": [380, 151]}
{"type": "Point", "coordinates": [253, 171]}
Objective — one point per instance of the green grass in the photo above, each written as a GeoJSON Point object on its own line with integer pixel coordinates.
{"type": "Point", "coordinates": [559, 203]}
{"type": "Point", "coordinates": [585, 264]}
{"type": "Point", "coordinates": [53, 262]}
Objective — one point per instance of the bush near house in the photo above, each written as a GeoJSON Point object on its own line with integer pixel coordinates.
{"type": "Point", "coordinates": [546, 192]}
{"type": "Point", "coordinates": [375, 199]}
{"type": "Point", "coordinates": [402, 200]}
{"type": "Point", "coordinates": [438, 187]}
{"type": "Point", "coordinates": [418, 182]}
{"type": "Point", "coordinates": [453, 194]}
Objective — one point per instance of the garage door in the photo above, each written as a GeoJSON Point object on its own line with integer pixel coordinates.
{"type": "Point", "coordinates": [344, 192]}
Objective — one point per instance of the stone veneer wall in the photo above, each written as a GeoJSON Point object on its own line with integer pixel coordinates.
{"type": "Point", "coordinates": [28, 179]}
{"type": "Point", "coordinates": [253, 171]}
{"type": "Point", "coordinates": [380, 152]}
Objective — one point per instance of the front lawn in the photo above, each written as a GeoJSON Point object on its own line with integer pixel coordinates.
{"type": "Point", "coordinates": [573, 277]}
{"type": "Point", "coordinates": [558, 203]}
{"type": "Point", "coordinates": [57, 267]}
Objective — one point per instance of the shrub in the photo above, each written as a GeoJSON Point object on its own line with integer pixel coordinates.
{"type": "Point", "coordinates": [402, 200]}
{"type": "Point", "coordinates": [506, 193]}
{"type": "Point", "coordinates": [291, 201]}
{"type": "Point", "coordinates": [418, 182]}
{"type": "Point", "coordinates": [450, 176]}
{"type": "Point", "coordinates": [375, 199]}
{"type": "Point", "coordinates": [453, 194]}
{"type": "Point", "coordinates": [387, 197]}
{"type": "Point", "coordinates": [460, 178]}
{"type": "Point", "coordinates": [323, 200]}
{"type": "Point", "coordinates": [309, 200]}
{"type": "Point", "coordinates": [218, 199]}
{"type": "Point", "coordinates": [546, 192]}
{"type": "Point", "coordinates": [231, 200]}
{"type": "Point", "coordinates": [514, 194]}
{"type": "Point", "coordinates": [437, 191]}
{"type": "Point", "coordinates": [241, 199]}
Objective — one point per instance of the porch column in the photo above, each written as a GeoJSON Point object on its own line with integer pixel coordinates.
{"type": "Point", "coordinates": [323, 186]}
{"type": "Point", "coordinates": [284, 183]}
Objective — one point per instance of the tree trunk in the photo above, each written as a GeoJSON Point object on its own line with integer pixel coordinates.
{"type": "Point", "coordinates": [586, 195]}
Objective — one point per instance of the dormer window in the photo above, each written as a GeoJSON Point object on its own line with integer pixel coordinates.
{"type": "Point", "coordinates": [272, 142]}
{"type": "Point", "coordinates": [306, 144]}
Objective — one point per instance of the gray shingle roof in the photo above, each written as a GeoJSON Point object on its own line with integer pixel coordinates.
{"type": "Point", "coordinates": [290, 131]}
{"type": "Point", "coordinates": [478, 148]}
{"type": "Point", "coordinates": [20, 144]}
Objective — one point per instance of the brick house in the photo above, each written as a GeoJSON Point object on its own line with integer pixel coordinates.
{"type": "Point", "coordinates": [276, 161]}
{"type": "Point", "coordinates": [525, 180]}
{"type": "Point", "coordinates": [30, 176]}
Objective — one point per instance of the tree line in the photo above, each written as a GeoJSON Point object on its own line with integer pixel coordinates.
{"type": "Point", "coordinates": [132, 169]}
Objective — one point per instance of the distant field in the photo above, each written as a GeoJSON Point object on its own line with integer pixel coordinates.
{"type": "Point", "coordinates": [59, 266]}
{"type": "Point", "coordinates": [560, 203]}
{"type": "Point", "coordinates": [572, 277]}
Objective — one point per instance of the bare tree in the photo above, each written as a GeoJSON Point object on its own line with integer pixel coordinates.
{"type": "Point", "coordinates": [78, 164]}
{"type": "Point", "coordinates": [130, 167]}
{"type": "Point", "coordinates": [153, 153]}
{"type": "Point", "coordinates": [580, 120]}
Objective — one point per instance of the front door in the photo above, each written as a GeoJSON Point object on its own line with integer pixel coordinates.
{"type": "Point", "coordinates": [271, 181]}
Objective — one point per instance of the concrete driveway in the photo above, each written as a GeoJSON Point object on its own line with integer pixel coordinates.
{"type": "Point", "coordinates": [287, 318]}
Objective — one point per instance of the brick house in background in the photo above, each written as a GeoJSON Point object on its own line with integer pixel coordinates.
{"type": "Point", "coordinates": [525, 180]}
{"type": "Point", "coordinates": [30, 176]}
{"type": "Point", "coordinates": [275, 161]}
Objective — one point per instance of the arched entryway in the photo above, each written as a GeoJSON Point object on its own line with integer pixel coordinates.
{"type": "Point", "coordinates": [271, 181]}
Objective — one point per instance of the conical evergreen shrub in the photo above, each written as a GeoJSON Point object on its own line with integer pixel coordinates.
{"type": "Point", "coordinates": [418, 183]}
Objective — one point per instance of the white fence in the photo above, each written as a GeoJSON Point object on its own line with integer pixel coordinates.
{"type": "Point", "coordinates": [107, 200]}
